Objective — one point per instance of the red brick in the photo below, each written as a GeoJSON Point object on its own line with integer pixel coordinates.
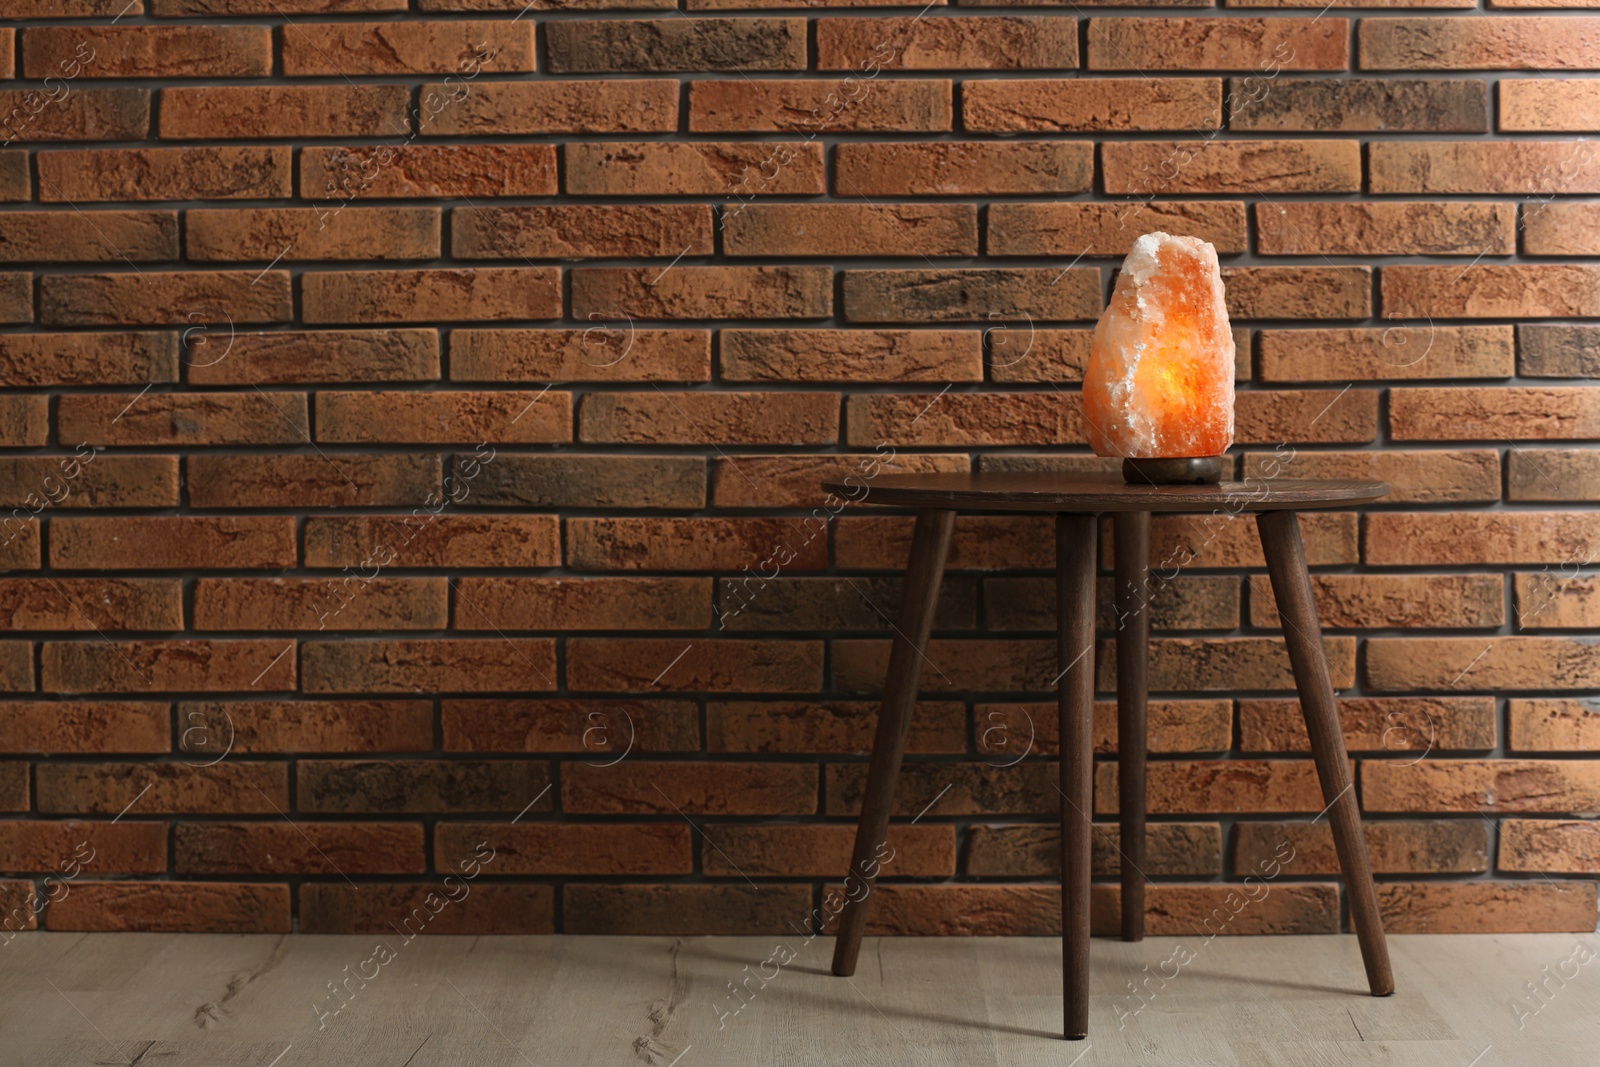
{"type": "Point", "coordinates": [87, 358]}
{"type": "Point", "coordinates": [605, 849]}
{"type": "Point", "coordinates": [438, 417]}
{"type": "Point", "coordinates": [1366, 354]}
{"type": "Point", "coordinates": [242, 112]}
{"type": "Point", "coordinates": [289, 234]}
{"type": "Point", "coordinates": [304, 848]}
{"type": "Point", "coordinates": [1107, 229]}
{"type": "Point", "coordinates": [297, 726]}
{"type": "Point", "coordinates": [721, 788]}
{"type": "Point", "coordinates": [19, 548]}
{"type": "Point", "coordinates": [1545, 290]}
{"type": "Point", "coordinates": [702, 292]}
{"type": "Point", "coordinates": [14, 786]}
{"type": "Point", "coordinates": [62, 9]}
{"type": "Point", "coordinates": [317, 479]}
{"type": "Point", "coordinates": [581, 230]}
{"type": "Point", "coordinates": [1438, 538]}
{"type": "Point", "coordinates": [684, 910]}
{"type": "Point", "coordinates": [1186, 603]}
{"type": "Point", "coordinates": [756, 603]}
{"type": "Point", "coordinates": [24, 421]}
{"type": "Point", "coordinates": [1561, 230]}
{"type": "Point", "coordinates": [189, 665]}
{"type": "Point", "coordinates": [1552, 474]}
{"type": "Point", "coordinates": [962, 419]}
{"type": "Point", "coordinates": [1545, 602]}
{"type": "Point", "coordinates": [734, 850]}
{"type": "Point", "coordinates": [815, 105]}
{"type": "Point", "coordinates": [1522, 42]}
{"type": "Point", "coordinates": [170, 8]}
{"type": "Point", "coordinates": [1494, 414]}
{"type": "Point", "coordinates": [426, 908]}
{"type": "Point", "coordinates": [1024, 851]}
{"type": "Point", "coordinates": [597, 728]}
{"type": "Point", "coordinates": [428, 170]}
{"type": "Point", "coordinates": [1550, 845]}
{"type": "Point", "coordinates": [637, 105]}
{"type": "Point", "coordinates": [678, 665]}
{"type": "Point", "coordinates": [173, 907]}
{"type": "Point", "coordinates": [963, 168]}
{"type": "Point", "coordinates": [1157, 168]}
{"type": "Point", "coordinates": [1181, 787]}
{"type": "Point", "coordinates": [686, 169]}
{"type": "Point", "coordinates": [232, 787]}
{"type": "Point", "coordinates": [692, 544]}
{"type": "Point", "coordinates": [424, 666]}
{"type": "Point", "coordinates": [59, 847]}
{"type": "Point", "coordinates": [147, 51]}
{"type": "Point", "coordinates": [82, 237]}
{"type": "Point", "coordinates": [1003, 731]}
{"type": "Point", "coordinates": [16, 180]}
{"type": "Point", "coordinates": [1168, 43]}
{"type": "Point", "coordinates": [1487, 907]}
{"type": "Point", "coordinates": [424, 295]}
{"type": "Point", "coordinates": [16, 298]}
{"type": "Point", "coordinates": [1410, 663]}
{"type": "Point", "coordinates": [594, 45]}
{"type": "Point", "coordinates": [593, 481]}
{"type": "Point", "coordinates": [831, 727]}
{"type": "Point", "coordinates": [1358, 105]}
{"type": "Point", "coordinates": [1059, 105]}
{"type": "Point", "coordinates": [358, 787]}
{"type": "Point", "coordinates": [177, 419]}
{"type": "Point", "coordinates": [795, 480]}
{"type": "Point", "coordinates": [451, 541]}
{"type": "Point", "coordinates": [921, 230]}
{"type": "Point", "coordinates": [355, 603]}
{"type": "Point", "coordinates": [1394, 601]}
{"type": "Point", "coordinates": [85, 727]}
{"type": "Point", "coordinates": [1399, 846]}
{"type": "Point", "coordinates": [1320, 415]}
{"type": "Point", "coordinates": [1298, 292]}
{"type": "Point", "coordinates": [111, 174]}
{"type": "Point", "coordinates": [92, 603]}
{"type": "Point", "coordinates": [582, 604]}
{"type": "Point", "coordinates": [972, 295]}
{"type": "Point", "coordinates": [1481, 167]}
{"type": "Point", "coordinates": [1564, 105]}
{"type": "Point", "coordinates": [1419, 725]}
{"type": "Point", "coordinates": [678, 418]}
{"type": "Point", "coordinates": [165, 298]}
{"type": "Point", "coordinates": [851, 355]}
{"type": "Point", "coordinates": [435, 46]}
{"type": "Point", "coordinates": [172, 543]}
{"type": "Point", "coordinates": [603, 352]}
{"type": "Point", "coordinates": [956, 43]}
{"type": "Point", "coordinates": [979, 543]}
{"type": "Point", "coordinates": [104, 482]}
{"type": "Point", "coordinates": [1398, 229]}
{"type": "Point", "coordinates": [16, 667]}
{"type": "Point", "coordinates": [1553, 726]}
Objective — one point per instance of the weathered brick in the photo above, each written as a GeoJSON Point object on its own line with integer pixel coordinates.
{"type": "Point", "coordinates": [165, 298]}
{"type": "Point", "coordinates": [943, 789]}
{"type": "Point", "coordinates": [353, 787]}
{"type": "Point", "coordinates": [1554, 725]}
{"type": "Point", "coordinates": [444, 417]}
{"type": "Point", "coordinates": [593, 481]}
{"type": "Point", "coordinates": [1487, 907]}
{"type": "Point", "coordinates": [693, 544]}
{"type": "Point", "coordinates": [526, 107]}
{"type": "Point", "coordinates": [721, 788]}
{"type": "Point", "coordinates": [606, 849]}
{"type": "Point", "coordinates": [813, 106]}
{"type": "Point", "coordinates": [677, 665]}
{"type": "Point", "coordinates": [1399, 229]}
{"type": "Point", "coordinates": [435, 46]}
{"type": "Point", "coordinates": [83, 727]}
{"type": "Point", "coordinates": [603, 352]}
{"type": "Point", "coordinates": [295, 356]}
{"type": "Point", "coordinates": [1561, 230]}
{"type": "Point", "coordinates": [693, 169]}
{"type": "Point", "coordinates": [242, 112]}
{"type": "Point", "coordinates": [604, 730]}
{"type": "Point", "coordinates": [684, 910]}
{"type": "Point", "coordinates": [1004, 731]}
{"type": "Point", "coordinates": [1494, 413]}
{"type": "Point", "coordinates": [848, 355]}
{"type": "Point", "coordinates": [232, 787]}
{"type": "Point", "coordinates": [1522, 42]}
{"type": "Point", "coordinates": [1359, 105]}
{"type": "Point", "coordinates": [451, 541]}
{"type": "Point", "coordinates": [62, 9]}
{"type": "Point", "coordinates": [81, 237]}
{"type": "Point", "coordinates": [1546, 602]}
{"type": "Point", "coordinates": [217, 727]}
{"type": "Point", "coordinates": [1401, 351]}
{"type": "Point", "coordinates": [189, 665]}
{"type": "Point", "coordinates": [1321, 415]}
{"type": "Point", "coordinates": [1481, 167]}
{"type": "Point", "coordinates": [1558, 351]}
{"type": "Point", "coordinates": [219, 173]}
{"type": "Point", "coordinates": [256, 418]}
{"type": "Point", "coordinates": [1534, 290]}
{"type": "Point", "coordinates": [306, 847]}
{"type": "Point", "coordinates": [794, 480]}
{"type": "Point", "coordinates": [147, 51]}
{"type": "Point", "coordinates": [1059, 105]}
{"type": "Point", "coordinates": [173, 907]}
{"type": "Point", "coordinates": [1435, 538]}
{"type": "Point", "coordinates": [1564, 105]}
{"type": "Point", "coordinates": [803, 726]}
{"type": "Point", "coordinates": [921, 230]}
{"type": "Point", "coordinates": [172, 542]}
{"type": "Point", "coordinates": [14, 786]}
{"type": "Point", "coordinates": [484, 908]}
{"type": "Point", "coordinates": [1401, 846]}
{"type": "Point", "coordinates": [703, 292]}
{"type": "Point", "coordinates": [171, 8]}
{"type": "Point", "coordinates": [1419, 725]}
{"type": "Point", "coordinates": [1077, 228]}
{"type": "Point", "coordinates": [37, 359]}
{"type": "Point", "coordinates": [16, 180]}
{"type": "Point", "coordinates": [1311, 292]}
{"type": "Point", "coordinates": [580, 230]}
{"type": "Point", "coordinates": [104, 482]}
{"type": "Point", "coordinates": [755, 602]}
{"type": "Point", "coordinates": [590, 46]}
{"type": "Point", "coordinates": [978, 543]}
{"type": "Point", "coordinates": [735, 850]}
{"type": "Point", "coordinates": [1023, 851]}
{"type": "Point", "coordinates": [289, 234]}
{"type": "Point", "coordinates": [758, 418]}
{"type": "Point", "coordinates": [1188, 603]}
{"type": "Point", "coordinates": [16, 667]}
{"type": "Point", "coordinates": [1154, 168]}
{"type": "Point", "coordinates": [482, 293]}
{"type": "Point", "coordinates": [962, 419]}
{"type": "Point", "coordinates": [1552, 846]}
{"type": "Point", "coordinates": [1552, 474]}
{"type": "Point", "coordinates": [1397, 664]}
{"type": "Point", "coordinates": [92, 604]}
{"type": "Point", "coordinates": [1182, 787]}
{"type": "Point", "coordinates": [318, 479]}
{"type": "Point", "coordinates": [1385, 601]}
{"type": "Point", "coordinates": [55, 847]}
{"type": "Point", "coordinates": [1168, 43]}
{"type": "Point", "coordinates": [956, 43]}
{"type": "Point", "coordinates": [972, 295]}
{"type": "Point", "coordinates": [318, 604]}
{"type": "Point", "coordinates": [583, 604]}
{"type": "Point", "coordinates": [428, 170]}
{"type": "Point", "coordinates": [957, 168]}
{"type": "Point", "coordinates": [428, 666]}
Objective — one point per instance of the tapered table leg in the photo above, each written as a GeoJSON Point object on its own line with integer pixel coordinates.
{"type": "Point", "coordinates": [930, 542]}
{"type": "Point", "coordinates": [1291, 587]}
{"type": "Point", "coordinates": [1132, 539]}
{"type": "Point", "coordinates": [1075, 567]}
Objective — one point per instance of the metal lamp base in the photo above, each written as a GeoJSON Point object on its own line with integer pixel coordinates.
{"type": "Point", "coordinates": [1195, 470]}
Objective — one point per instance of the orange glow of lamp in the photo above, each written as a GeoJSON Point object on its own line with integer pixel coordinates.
{"type": "Point", "coordinates": [1158, 388]}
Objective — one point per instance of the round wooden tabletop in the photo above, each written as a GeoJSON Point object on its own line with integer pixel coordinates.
{"type": "Point", "coordinates": [1088, 495]}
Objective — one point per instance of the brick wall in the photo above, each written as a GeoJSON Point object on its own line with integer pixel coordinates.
{"type": "Point", "coordinates": [413, 418]}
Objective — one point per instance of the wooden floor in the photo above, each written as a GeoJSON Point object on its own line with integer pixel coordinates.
{"type": "Point", "coordinates": [259, 1001]}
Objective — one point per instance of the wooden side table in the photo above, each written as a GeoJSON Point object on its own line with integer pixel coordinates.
{"type": "Point", "coordinates": [1077, 504]}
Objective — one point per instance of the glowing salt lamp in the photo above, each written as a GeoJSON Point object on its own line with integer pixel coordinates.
{"type": "Point", "coordinates": [1158, 388]}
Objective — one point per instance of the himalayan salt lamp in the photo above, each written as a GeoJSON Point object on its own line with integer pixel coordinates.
{"type": "Point", "coordinates": [1158, 389]}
